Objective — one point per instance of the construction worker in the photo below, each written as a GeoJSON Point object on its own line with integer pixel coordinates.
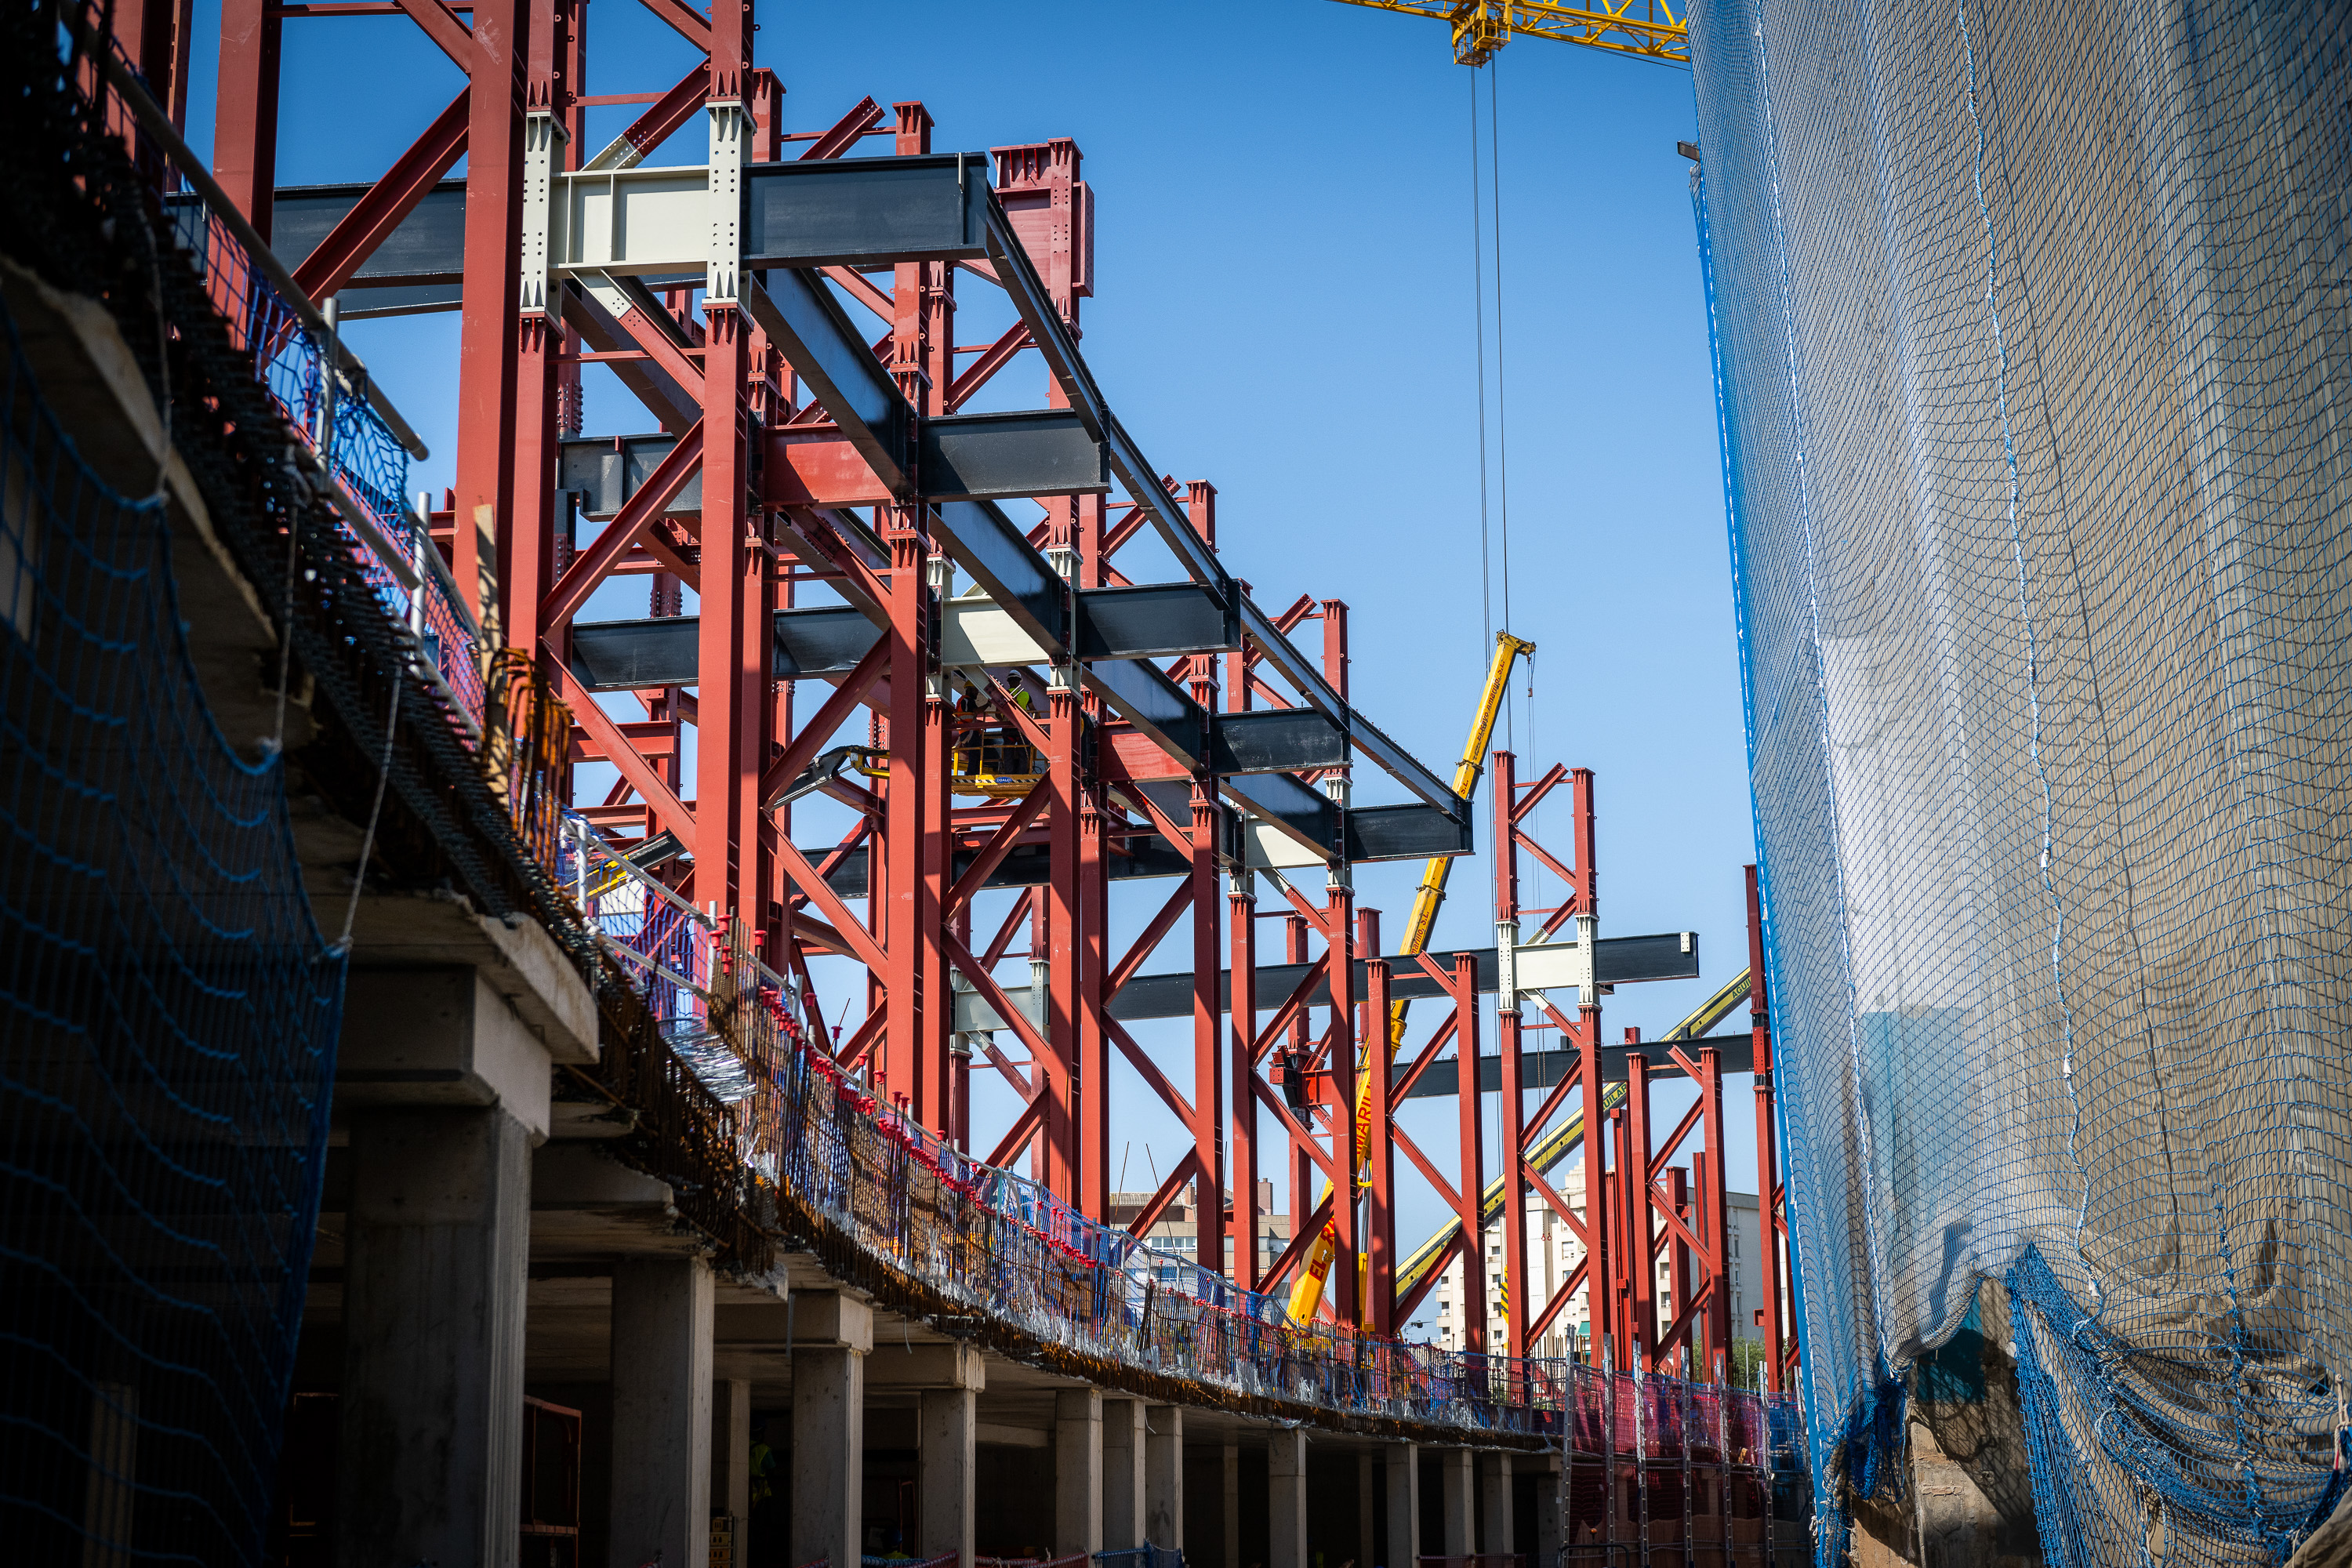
{"type": "Point", "coordinates": [1022, 701]}
{"type": "Point", "coordinates": [969, 708]}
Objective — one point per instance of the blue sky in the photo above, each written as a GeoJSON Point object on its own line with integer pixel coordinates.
{"type": "Point", "coordinates": [1283, 307]}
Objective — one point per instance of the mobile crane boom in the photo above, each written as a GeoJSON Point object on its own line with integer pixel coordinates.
{"type": "Point", "coordinates": [1306, 1294]}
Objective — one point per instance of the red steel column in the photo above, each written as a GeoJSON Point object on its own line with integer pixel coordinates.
{"type": "Point", "coordinates": [245, 118]}
{"type": "Point", "coordinates": [1712, 1200]}
{"type": "Point", "coordinates": [1240, 912]}
{"type": "Point", "coordinates": [731, 732]}
{"type": "Point", "coordinates": [526, 561]}
{"type": "Point", "coordinates": [1094, 1036]}
{"type": "Point", "coordinates": [1506, 787]}
{"type": "Point", "coordinates": [486, 349]}
{"type": "Point", "coordinates": [1380, 1230]}
{"type": "Point", "coordinates": [1339, 924]}
{"type": "Point", "coordinates": [1208, 957]}
{"type": "Point", "coordinates": [921, 1071]}
{"type": "Point", "coordinates": [930, 1084]}
{"type": "Point", "coordinates": [1767, 1164]}
{"type": "Point", "coordinates": [1640, 1231]}
{"type": "Point", "coordinates": [154, 33]}
{"type": "Point", "coordinates": [1681, 1269]}
{"type": "Point", "coordinates": [1208, 1095]}
{"type": "Point", "coordinates": [878, 860]}
{"type": "Point", "coordinates": [731, 740]}
{"type": "Point", "coordinates": [1624, 1330]}
{"type": "Point", "coordinates": [1301, 1170]}
{"type": "Point", "coordinates": [1470, 1174]}
{"type": "Point", "coordinates": [1094, 917]}
{"type": "Point", "coordinates": [1600, 1299]}
{"type": "Point", "coordinates": [1062, 906]}
{"type": "Point", "coordinates": [1294, 951]}
{"type": "Point", "coordinates": [914, 933]}
{"type": "Point", "coordinates": [1602, 1303]}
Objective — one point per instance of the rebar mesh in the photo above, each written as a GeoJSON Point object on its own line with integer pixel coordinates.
{"type": "Point", "coordinates": [2030, 326]}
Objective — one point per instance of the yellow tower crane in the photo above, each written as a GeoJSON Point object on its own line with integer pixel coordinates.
{"type": "Point", "coordinates": [1481, 28]}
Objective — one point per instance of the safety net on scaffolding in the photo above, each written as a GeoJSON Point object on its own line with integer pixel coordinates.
{"type": "Point", "coordinates": [2032, 333]}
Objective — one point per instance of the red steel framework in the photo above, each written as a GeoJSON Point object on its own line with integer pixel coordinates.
{"type": "Point", "coordinates": [777, 478]}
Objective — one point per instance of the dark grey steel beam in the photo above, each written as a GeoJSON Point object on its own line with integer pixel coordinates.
{"type": "Point", "coordinates": [1026, 866]}
{"type": "Point", "coordinates": [1141, 693]}
{"type": "Point", "coordinates": [825, 641]}
{"type": "Point", "coordinates": [1306, 815]}
{"type": "Point", "coordinates": [966, 457]}
{"type": "Point", "coordinates": [605, 472]}
{"type": "Point", "coordinates": [983, 542]}
{"type": "Point", "coordinates": [633, 656]}
{"type": "Point", "coordinates": [1413, 832]}
{"type": "Point", "coordinates": [865, 212]}
{"type": "Point", "coordinates": [1362, 733]}
{"type": "Point", "coordinates": [1008, 457]}
{"type": "Point", "coordinates": [1153, 620]}
{"type": "Point", "coordinates": [630, 656]}
{"type": "Point", "coordinates": [1276, 739]}
{"type": "Point", "coordinates": [1542, 1069]}
{"type": "Point", "coordinates": [828, 640]}
{"type": "Point", "coordinates": [427, 248]}
{"type": "Point", "coordinates": [1052, 336]}
{"type": "Point", "coordinates": [1171, 995]}
{"type": "Point", "coordinates": [798, 311]}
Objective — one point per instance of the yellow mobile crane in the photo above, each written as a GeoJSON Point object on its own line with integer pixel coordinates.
{"type": "Point", "coordinates": [1306, 1294]}
{"type": "Point", "coordinates": [1646, 27]}
{"type": "Point", "coordinates": [1307, 1291]}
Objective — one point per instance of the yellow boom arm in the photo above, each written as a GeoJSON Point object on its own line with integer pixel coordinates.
{"type": "Point", "coordinates": [1306, 1294]}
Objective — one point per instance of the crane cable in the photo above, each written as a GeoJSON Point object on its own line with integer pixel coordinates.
{"type": "Point", "coordinates": [1502, 381]}
{"type": "Point", "coordinates": [1495, 508]}
{"type": "Point", "coordinates": [1478, 316]}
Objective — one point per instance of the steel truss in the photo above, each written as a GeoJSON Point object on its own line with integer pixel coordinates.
{"type": "Point", "coordinates": [788, 449]}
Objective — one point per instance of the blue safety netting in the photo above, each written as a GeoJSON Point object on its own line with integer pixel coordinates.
{"type": "Point", "coordinates": [168, 1014]}
{"type": "Point", "coordinates": [2033, 337]}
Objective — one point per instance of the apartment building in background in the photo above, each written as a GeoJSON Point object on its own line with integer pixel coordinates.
{"type": "Point", "coordinates": [1178, 1229]}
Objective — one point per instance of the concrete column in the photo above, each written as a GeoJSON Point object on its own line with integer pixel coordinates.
{"type": "Point", "coordinates": [1233, 1514]}
{"type": "Point", "coordinates": [947, 1429]}
{"type": "Point", "coordinates": [1286, 1498]}
{"type": "Point", "coordinates": [1550, 1526]}
{"type": "Point", "coordinates": [107, 1520]}
{"type": "Point", "coordinates": [731, 1448]}
{"type": "Point", "coordinates": [1077, 1471]}
{"type": "Point", "coordinates": [828, 1456]}
{"type": "Point", "coordinates": [436, 1256]}
{"type": "Point", "coordinates": [1461, 1511]}
{"type": "Point", "coordinates": [661, 1410]}
{"type": "Point", "coordinates": [1163, 1476]}
{"type": "Point", "coordinates": [1495, 1483]}
{"type": "Point", "coordinates": [1404, 1504]}
{"type": "Point", "coordinates": [1123, 1461]}
{"type": "Point", "coordinates": [1364, 1542]}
